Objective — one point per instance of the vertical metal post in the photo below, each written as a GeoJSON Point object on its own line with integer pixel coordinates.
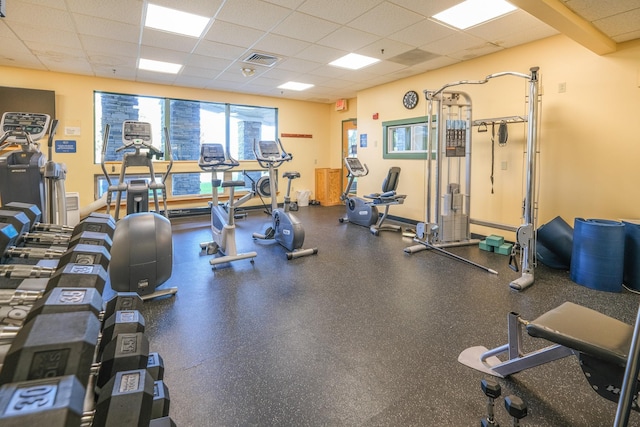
{"type": "Point", "coordinates": [532, 147]}
{"type": "Point", "coordinates": [630, 380]}
{"type": "Point", "coordinates": [429, 151]}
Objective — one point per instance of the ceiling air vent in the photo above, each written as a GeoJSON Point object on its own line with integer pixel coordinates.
{"type": "Point", "coordinates": [261, 59]}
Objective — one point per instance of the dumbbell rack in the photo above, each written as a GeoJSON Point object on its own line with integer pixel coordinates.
{"type": "Point", "coordinates": [68, 359]}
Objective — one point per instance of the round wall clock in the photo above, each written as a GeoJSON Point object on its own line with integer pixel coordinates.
{"type": "Point", "coordinates": [410, 99]}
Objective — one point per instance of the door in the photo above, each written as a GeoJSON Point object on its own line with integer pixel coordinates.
{"type": "Point", "coordinates": [349, 148]}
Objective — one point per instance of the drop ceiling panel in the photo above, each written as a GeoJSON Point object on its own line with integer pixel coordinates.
{"type": "Point", "coordinates": [129, 11]}
{"type": "Point", "coordinates": [161, 39]}
{"type": "Point", "coordinates": [453, 43]}
{"type": "Point", "coordinates": [426, 8]}
{"type": "Point", "coordinates": [218, 50]}
{"type": "Point", "coordinates": [385, 19]}
{"type": "Point", "coordinates": [339, 11]}
{"type": "Point", "coordinates": [299, 65]}
{"type": "Point", "coordinates": [305, 27]}
{"type": "Point", "coordinates": [66, 65]}
{"type": "Point", "coordinates": [159, 54]}
{"type": "Point", "coordinates": [207, 62]}
{"type": "Point", "coordinates": [52, 36]}
{"type": "Point", "coordinates": [114, 47]}
{"type": "Point", "coordinates": [280, 45]}
{"type": "Point", "coordinates": [496, 31]}
{"type": "Point", "coordinates": [622, 27]}
{"type": "Point", "coordinates": [321, 54]}
{"type": "Point", "coordinates": [253, 13]}
{"type": "Point", "coordinates": [384, 49]}
{"type": "Point", "coordinates": [348, 39]}
{"type": "Point", "coordinates": [38, 16]}
{"type": "Point", "coordinates": [107, 29]}
{"type": "Point", "coordinates": [233, 34]}
{"type": "Point", "coordinates": [421, 33]}
{"type": "Point", "coordinates": [592, 10]}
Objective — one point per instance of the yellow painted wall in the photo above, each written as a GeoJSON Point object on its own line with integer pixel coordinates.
{"type": "Point", "coordinates": [74, 108]}
{"type": "Point", "coordinates": [589, 135]}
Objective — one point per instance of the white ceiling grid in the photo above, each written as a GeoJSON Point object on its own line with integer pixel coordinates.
{"type": "Point", "coordinates": [107, 38]}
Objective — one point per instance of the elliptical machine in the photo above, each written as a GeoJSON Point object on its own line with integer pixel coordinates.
{"type": "Point", "coordinates": [285, 229]}
{"type": "Point", "coordinates": [142, 251]}
{"type": "Point", "coordinates": [25, 174]}
{"type": "Point", "coordinates": [359, 211]}
{"type": "Point", "coordinates": [223, 228]}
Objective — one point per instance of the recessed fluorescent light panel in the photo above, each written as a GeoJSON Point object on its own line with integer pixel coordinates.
{"type": "Point", "coordinates": [295, 86]}
{"type": "Point", "coordinates": [159, 66]}
{"type": "Point", "coordinates": [175, 21]}
{"type": "Point", "coordinates": [353, 61]}
{"type": "Point", "coordinates": [473, 12]}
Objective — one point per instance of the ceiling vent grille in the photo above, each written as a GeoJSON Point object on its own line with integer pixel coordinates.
{"type": "Point", "coordinates": [263, 59]}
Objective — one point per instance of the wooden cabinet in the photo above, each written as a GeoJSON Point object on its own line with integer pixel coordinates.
{"type": "Point", "coordinates": [328, 186]}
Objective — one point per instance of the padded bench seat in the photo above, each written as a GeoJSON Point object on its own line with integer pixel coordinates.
{"type": "Point", "coordinates": [586, 331]}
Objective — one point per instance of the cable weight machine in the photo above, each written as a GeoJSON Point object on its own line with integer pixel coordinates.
{"type": "Point", "coordinates": [447, 222]}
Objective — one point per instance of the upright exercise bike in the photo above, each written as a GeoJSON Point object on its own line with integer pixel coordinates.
{"type": "Point", "coordinates": [223, 228]}
{"type": "Point", "coordinates": [285, 229]}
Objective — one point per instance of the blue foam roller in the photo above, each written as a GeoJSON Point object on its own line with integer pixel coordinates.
{"type": "Point", "coordinates": [632, 255]}
{"type": "Point", "coordinates": [597, 258]}
{"type": "Point", "coordinates": [555, 244]}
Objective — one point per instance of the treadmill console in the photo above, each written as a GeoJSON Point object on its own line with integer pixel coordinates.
{"type": "Point", "coordinates": [34, 124]}
{"type": "Point", "coordinates": [354, 166]}
{"type": "Point", "coordinates": [133, 130]}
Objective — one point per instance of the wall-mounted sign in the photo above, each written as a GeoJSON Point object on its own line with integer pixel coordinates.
{"type": "Point", "coordinates": [363, 140]}
{"type": "Point", "coordinates": [65, 146]}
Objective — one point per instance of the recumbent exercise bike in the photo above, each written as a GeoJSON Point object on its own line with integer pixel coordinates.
{"type": "Point", "coordinates": [365, 212]}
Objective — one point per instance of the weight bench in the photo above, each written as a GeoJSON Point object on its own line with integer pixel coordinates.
{"type": "Point", "coordinates": [600, 342]}
{"type": "Point", "coordinates": [387, 198]}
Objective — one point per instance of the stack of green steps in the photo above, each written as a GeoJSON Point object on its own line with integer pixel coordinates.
{"type": "Point", "coordinates": [495, 243]}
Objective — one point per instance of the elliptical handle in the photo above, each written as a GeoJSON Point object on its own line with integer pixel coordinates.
{"type": "Point", "coordinates": [103, 153]}
{"type": "Point", "coordinates": [167, 145]}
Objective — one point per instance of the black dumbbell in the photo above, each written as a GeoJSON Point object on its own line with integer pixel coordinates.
{"type": "Point", "coordinates": [94, 222]}
{"type": "Point", "coordinates": [22, 306]}
{"type": "Point", "coordinates": [58, 402]}
{"type": "Point", "coordinates": [492, 390]}
{"type": "Point", "coordinates": [161, 400]}
{"type": "Point", "coordinates": [88, 231]}
{"type": "Point", "coordinates": [51, 345]}
{"type": "Point", "coordinates": [44, 402]}
{"type": "Point", "coordinates": [516, 408]}
{"type": "Point", "coordinates": [68, 336]}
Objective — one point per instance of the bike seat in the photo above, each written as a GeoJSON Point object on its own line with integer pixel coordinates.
{"type": "Point", "coordinates": [291, 175]}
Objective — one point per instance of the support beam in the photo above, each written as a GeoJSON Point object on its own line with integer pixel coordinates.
{"type": "Point", "coordinates": [555, 14]}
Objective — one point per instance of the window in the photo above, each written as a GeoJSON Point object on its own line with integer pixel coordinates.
{"type": "Point", "coordinates": [189, 123]}
{"type": "Point", "coordinates": [405, 139]}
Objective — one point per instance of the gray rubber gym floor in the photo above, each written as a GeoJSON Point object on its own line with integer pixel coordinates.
{"type": "Point", "coordinates": [361, 334]}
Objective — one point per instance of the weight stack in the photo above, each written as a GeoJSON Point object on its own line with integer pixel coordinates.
{"type": "Point", "coordinates": [632, 254]}
{"type": "Point", "coordinates": [597, 258]}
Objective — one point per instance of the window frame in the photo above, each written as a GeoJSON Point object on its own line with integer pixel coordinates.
{"type": "Point", "coordinates": [388, 126]}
